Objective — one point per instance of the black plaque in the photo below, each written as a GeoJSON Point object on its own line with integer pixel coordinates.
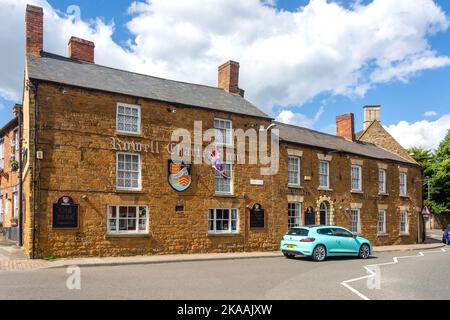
{"type": "Point", "coordinates": [65, 214]}
{"type": "Point", "coordinates": [257, 217]}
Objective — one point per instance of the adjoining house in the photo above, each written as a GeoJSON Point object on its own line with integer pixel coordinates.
{"type": "Point", "coordinates": [9, 177]}
{"type": "Point", "coordinates": [99, 178]}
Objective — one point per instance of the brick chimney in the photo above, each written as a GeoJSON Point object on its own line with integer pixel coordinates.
{"type": "Point", "coordinates": [229, 77]}
{"type": "Point", "coordinates": [345, 126]}
{"type": "Point", "coordinates": [34, 21]}
{"type": "Point", "coordinates": [371, 114]}
{"type": "Point", "coordinates": [81, 49]}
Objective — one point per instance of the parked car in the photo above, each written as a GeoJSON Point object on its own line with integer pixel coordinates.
{"type": "Point", "coordinates": [320, 242]}
{"type": "Point", "coordinates": [446, 235]}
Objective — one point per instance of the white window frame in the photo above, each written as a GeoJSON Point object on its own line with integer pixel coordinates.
{"type": "Point", "coordinates": [15, 203]}
{"type": "Point", "coordinates": [321, 174]}
{"type": "Point", "coordinates": [404, 223]}
{"type": "Point", "coordinates": [297, 216]}
{"type": "Point", "coordinates": [117, 220]}
{"type": "Point", "coordinates": [2, 154]}
{"type": "Point", "coordinates": [132, 106]}
{"type": "Point", "coordinates": [358, 222]}
{"type": "Point", "coordinates": [298, 160]}
{"type": "Point", "coordinates": [230, 221]}
{"type": "Point", "coordinates": [230, 174]}
{"type": "Point", "coordinates": [381, 223]}
{"type": "Point", "coordinates": [382, 174]}
{"type": "Point", "coordinates": [228, 131]}
{"type": "Point", "coordinates": [403, 181]}
{"type": "Point", "coordinates": [139, 188]}
{"type": "Point", "coordinates": [358, 179]}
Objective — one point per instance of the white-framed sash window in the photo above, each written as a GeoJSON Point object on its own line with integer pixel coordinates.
{"type": "Point", "coordinates": [2, 154]}
{"type": "Point", "coordinates": [294, 171]}
{"type": "Point", "coordinates": [224, 132]}
{"type": "Point", "coordinates": [324, 174]}
{"type": "Point", "coordinates": [404, 223]}
{"type": "Point", "coordinates": [382, 181]}
{"type": "Point", "coordinates": [382, 222]}
{"type": "Point", "coordinates": [294, 214]}
{"type": "Point", "coordinates": [222, 185]}
{"type": "Point", "coordinates": [128, 118]}
{"type": "Point", "coordinates": [128, 171]}
{"type": "Point", "coordinates": [222, 221]}
{"type": "Point", "coordinates": [356, 220]}
{"type": "Point", "coordinates": [356, 178]}
{"type": "Point", "coordinates": [403, 184]}
{"type": "Point", "coordinates": [124, 219]}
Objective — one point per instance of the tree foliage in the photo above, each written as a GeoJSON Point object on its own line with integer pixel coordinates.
{"type": "Point", "coordinates": [437, 167]}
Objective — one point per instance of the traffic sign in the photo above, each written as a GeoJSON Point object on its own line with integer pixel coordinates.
{"type": "Point", "coordinates": [426, 211]}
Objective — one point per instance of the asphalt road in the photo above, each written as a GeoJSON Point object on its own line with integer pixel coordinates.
{"type": "Point", "coordinates": [421, 277]}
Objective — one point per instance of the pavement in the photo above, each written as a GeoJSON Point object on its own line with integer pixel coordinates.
{"type": "Point", "coordinates": [12, 257]}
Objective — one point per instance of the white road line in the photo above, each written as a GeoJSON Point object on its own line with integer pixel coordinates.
{"type": "Point", "coordinates": [372, 273]}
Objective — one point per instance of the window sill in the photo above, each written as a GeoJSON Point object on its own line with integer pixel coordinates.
{"type": "Point", "coordinates": [383, 194]}
{"type": "Point", "coordinates": [357, 191]}
{"type": "Point", "coordinates": [224, 195]}
{"type": "Point", "coordinates": [229, 234]}
{"type": "Point", "coordinates": [404, 234]}
{"type": "Point", "coordinates": [129, 134]}
{"type": "Point", "coordinates": [324, 189]}
{"type": "Point", "coordinates": [129, 191]}
{"type": "Point", "coordinates": [382, 235]}
{"type": "Point", "coordinates": [128, 235]}
{"type": "Point", "coordinates": [295, 186]}
{"type": "Point", "coordinates": [404, 196]}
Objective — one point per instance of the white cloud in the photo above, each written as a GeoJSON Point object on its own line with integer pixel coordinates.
{"type": "Point", "coordinates": [299, 119]}
{"type": "Point", "coordinates": [426, 134]}
{"type": "Point", "coordinates": [287, 58]}
{"type": "Point", "coordinates": [430, 114]}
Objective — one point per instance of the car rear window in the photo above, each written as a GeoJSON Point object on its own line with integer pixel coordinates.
{"type": "Point", "coordinates": [298, 232]}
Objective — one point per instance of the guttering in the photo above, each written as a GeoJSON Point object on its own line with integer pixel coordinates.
{"type": "Point", "coordinates": [20, 178]}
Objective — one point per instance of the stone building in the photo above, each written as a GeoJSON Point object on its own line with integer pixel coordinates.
{"type": "Point", "coordinates": [9, 176]}
{"type": "Point", "coordinates": [99, 176]}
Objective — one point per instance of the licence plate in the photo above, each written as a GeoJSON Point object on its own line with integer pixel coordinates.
{"type": "Point", "coordinates": [288, 246]}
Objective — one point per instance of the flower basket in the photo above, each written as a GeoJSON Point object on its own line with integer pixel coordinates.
{"type": "Point", "coordinates": [14, 165]}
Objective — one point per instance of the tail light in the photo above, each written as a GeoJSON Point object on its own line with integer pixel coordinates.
{"type": "Point", "coordinates": [448, 232]}
{"type": "Point", "coordinates": [308, 240]}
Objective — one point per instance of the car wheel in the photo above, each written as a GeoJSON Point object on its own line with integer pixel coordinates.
{"type": "Point", "coordinates": [364, 251]}
{"type": "Point", "coordinates": [319, 253]}
{"type": "Point", "coordinates": [289, 255]}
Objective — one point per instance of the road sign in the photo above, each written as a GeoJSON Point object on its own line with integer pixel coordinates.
{"type": "Point", "coordinates": [426, 211]}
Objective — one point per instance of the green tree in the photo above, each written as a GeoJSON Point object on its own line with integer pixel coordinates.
{"type": "Point", "coordinates": [440, 178]}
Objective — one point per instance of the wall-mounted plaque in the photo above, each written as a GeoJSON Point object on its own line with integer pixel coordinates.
{"type": "Point", "coordinates": [65, 214]}
{"type": "Point", "coordinates": [257, 217]}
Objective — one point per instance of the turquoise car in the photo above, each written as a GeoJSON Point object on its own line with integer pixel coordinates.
{"type": "Point", "coordinates": [320, 242]}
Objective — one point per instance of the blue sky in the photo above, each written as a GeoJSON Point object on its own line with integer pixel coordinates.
{"type": "Point", "coordinates": [408, 100]}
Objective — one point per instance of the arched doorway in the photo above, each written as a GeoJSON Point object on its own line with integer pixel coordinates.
{"type": "Point", "coordinates": [324, 213]}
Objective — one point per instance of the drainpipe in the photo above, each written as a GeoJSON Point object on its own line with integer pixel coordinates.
{"type": "Point", "coordinates": [20, 179]}
{"type": "Point", "coordinates": [34, 88]}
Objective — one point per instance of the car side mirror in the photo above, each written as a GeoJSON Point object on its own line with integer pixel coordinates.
{"type": "Point", "coordinates": [355, 235]}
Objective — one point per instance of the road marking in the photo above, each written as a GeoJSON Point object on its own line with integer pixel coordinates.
{"type": "Point", "coordinates": [372, 273]}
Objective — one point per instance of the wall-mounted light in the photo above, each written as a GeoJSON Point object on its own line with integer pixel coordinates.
{"type": "Point", "coordinates": [172, 110]}
{"type": "Point", "coordinates": [62, 89]}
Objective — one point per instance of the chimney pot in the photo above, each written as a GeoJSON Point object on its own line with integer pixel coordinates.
{"type": "Point", "coordinates": [345, 126]}
{"type": "Point", "coordinates": [81, 49]}
{"type": "Point", "coordinates": [16, 110]}
{"type": "Point", "coordinates": [34, 21]}
{"type": "Point", "coordinates": [229, 78]}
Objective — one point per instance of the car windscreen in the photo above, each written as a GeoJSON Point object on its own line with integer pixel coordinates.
{"type": "Point", "coordinates": [298, 232]}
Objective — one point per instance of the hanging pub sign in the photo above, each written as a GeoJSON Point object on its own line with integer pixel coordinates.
{"type": "Point", "coordinates": [257, 217]}
{"type": "Point", "coordinates": [65, 214]}
{"type": "Point", "coordinates": [179, 175]}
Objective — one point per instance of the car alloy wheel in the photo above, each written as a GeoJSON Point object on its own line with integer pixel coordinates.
{"type": "Point", "coordinates": [364, 251]}
{"type": "Point", "coordinates": [319, 253]}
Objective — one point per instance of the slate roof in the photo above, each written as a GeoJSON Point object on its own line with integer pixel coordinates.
{"type": "Point", "coordinates": [14, 122]}
{"type": "Point", "coordinates": [308, 137]}
{"type": "Point", "coordinates": [54, 68]}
